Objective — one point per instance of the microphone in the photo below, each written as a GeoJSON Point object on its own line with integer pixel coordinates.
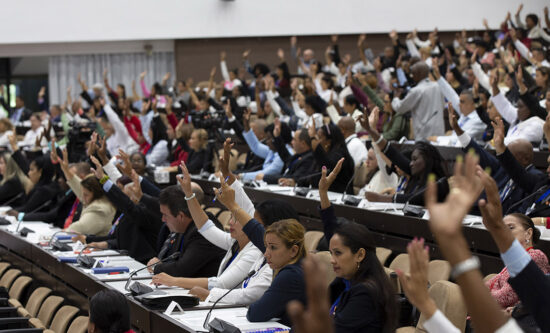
{"type": "Point", "coordinates": [303, 191]}
{"type": "Point", "coordinates": [414, 211]}
{"type": "Point", "coordinates": [530, 196]}
{"type": "Point", "coordinates": [7, 203]}
{"type": "Point", "coordinates": [87, 261]}
{"type": "Point", "coordinates": [350, 200]}
{"type": "Point", "coordinates": [45, 204]}
{"type": "Point", "coordinates": [139, 288]}
{"type": "Point", "coordinates": [206, 325]}
{"type": "Point", "coordinates": [57, 245]}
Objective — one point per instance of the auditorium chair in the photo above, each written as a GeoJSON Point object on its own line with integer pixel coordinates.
{"type": "Point", "coordinates": [14, 295]}
{"type": "Point", "coordinates": [62, 319]}
{"type": "Point", "coordinates": [438, 270]}
{"type": "Point", "coordinates": [401, 262]}
{"type": "Point", "coordinates": [42, 321]}
{"type": "Point", "coordinates": [325, 258]}
{"type": "Point", "coordinates": [448, 299]}
{"type": "Point", "coordinates": [240, 160]}
{"type": "Point", "coordinates": [360, 179]}
{"type": "Point", "coordinates": [224, 218]}
{"type": "Point", "coordinates": [33, 304]}
{"type": "Point", "coordinates": [4, 265]}
{"type": "Point", "coordinates": [383, 254]}
{"type": "Point", "coordinates": [7, 279]}
{"type": "Point", "coordinates": [311, 240]}
{"type": "Point", "coordinates": [213, 210]}
{"type": "Point", "coordinates": [79, 325]}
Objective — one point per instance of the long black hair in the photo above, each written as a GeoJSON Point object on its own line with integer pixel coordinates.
{"type": "Point", "coordinates": [370, 272]}
{"type": "Point", "coordinates": [434, 163]}
{"type": "Point", "coordinates": [159, 131]}
{"type": "Point", "coordinates": [109, 312]}
{"type": "Point", "coordinates": [274, 210]}
{"type": "Point", "coordinates": [48, 170]}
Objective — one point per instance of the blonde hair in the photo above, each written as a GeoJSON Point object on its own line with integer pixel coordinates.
{"type": "Point", "coordinates": [291, 232]}
{"type": "Point", "coordinates": [13, 170]}
{"type": "Point", "coordinates": [203, 136]}
{"type": "Point", "coordinates": [7, 123]}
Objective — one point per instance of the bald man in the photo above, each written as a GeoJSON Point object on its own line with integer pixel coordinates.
{"type": "Point", "coordinates": [425, 102]}
{"type": "Point", "coordinates": [357, 148]}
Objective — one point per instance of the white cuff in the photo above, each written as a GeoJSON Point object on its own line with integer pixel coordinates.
{"type": "Point", "coordinates": [464, 139]}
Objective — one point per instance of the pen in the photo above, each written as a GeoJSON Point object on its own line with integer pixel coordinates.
{"type": "Point", "coordinates": [115, 273]}
{"type": "Point", "coordinates": [226, 179]}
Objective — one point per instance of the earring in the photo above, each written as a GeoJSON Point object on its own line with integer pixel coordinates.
{"type": "Point", "coordinates": [358, 264]}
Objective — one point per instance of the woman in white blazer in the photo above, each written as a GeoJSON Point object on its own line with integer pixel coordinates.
{"type": "Point", "coordinates": [239, 259]}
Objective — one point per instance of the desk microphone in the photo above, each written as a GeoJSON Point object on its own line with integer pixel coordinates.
{"type": "Point", "coordinates": [351, 200]}
{"type": "Point", "coordinates": [139, 288]}
{"type": "Point", "coordinates": [87, 261]}
{"type": "Point", "coordinates": [7, 203]}
{"type": "Point", "coordinates": [303, 191]}
{"type": "Point", "coordinates": [45, 204]}
{"type": "Point", "coordinates": [57, 245]}
{"type": "Point", "coordinates": [206, 325]}
{"type": "Point", "coordinates": [534, 194]}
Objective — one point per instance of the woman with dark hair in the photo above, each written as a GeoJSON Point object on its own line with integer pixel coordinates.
{"type": "Point", "coordinates": [155, 94]}
{"type": "Point", "coordinates": [97, 212]}
{"type": "Point", "coordinates": [425, 160]}
{"type": "Point", "coordinates": [362, 296]}
{"type": "Point", "coordinates": [109, 313]}
{"type": "Point", "coordinates": [315, 108]}
{"type": "Point", "coordinates": [527, 234]}
{"type": "Point", "coordinates": [41, 174]}
{"type": "Point", "coordinates": [329, 146]}
{"type": "Point", "coordinates": [159, 151]}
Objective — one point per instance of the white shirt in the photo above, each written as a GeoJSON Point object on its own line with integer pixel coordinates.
{"type": "Point", "coordinates": [4, 140]}
{"type": "Point", "coordinates": [335, 117]}
{"type": "Point", "coordinates": [381, 180]}
{"type": "Point", "coordinates": [357, 149]}
{"type": "Point", "coordinates": [30, 137]}
{"type": "Point", "coordinates": [120, 138]}
{"type": "Point", "coordinates": [158, 155]}
{"type": "Point", "coordinates": [228, 277]}
{"type": "Point", "coordinates": [426, 103]}
{"type": "Point", "coordinates": [530, 129]}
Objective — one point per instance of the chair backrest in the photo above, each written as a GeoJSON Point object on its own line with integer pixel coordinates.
{"type": "Point", "coordinates": [79, 325]}
{"type": "Point", "coordinates": [448, 299]}
{"type": "Point", "coordinates": [63, 318]}
{"type": "Point", "coordinates": [241, 159]}
{"type": "Point", "coordinates": [48, 309]}
{"type": "Point", "coordinates": [325, 257]}
{"type": "Point", "coordinates": [360, 177]}
{"type": "Point", "coordinates": [19, 286]}
{"type": "Point", "coordinates": [8, 278]}
{"type": "Point", "coordinates": [4, 267]}
{"type": "Point", "coordinates": [401, 262]}
{"type": "Point", "coordinates": [224, 217]}
{"type": "Point", "coordinates": [36, 299]}
{"type": "Point", "coordinates": [382, 254]}
{"type": "Point", "coordinates": [311, 240]}
{"type": "Point", "coordinates": [213, 210]}
{"type": "Point", "coordinates": [438, 270]}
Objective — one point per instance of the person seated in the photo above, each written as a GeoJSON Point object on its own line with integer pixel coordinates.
{"type": "Point", "coordinates": [97, 212]}
{"type": "Point", "coordinates": [425, 159]}
{"type": "Point", "coordinates": [329, 147]}
{"type": "Point", "coordinates": [396, 125]}
{"type": "Point", "coordinates": [198, 257]}
{"type": "Point", "coordinates": [6, 129]}
{"type": "Point", "coordinates": [241, 253]}
{"type": "Point", "coordinates": [299, 165]}
{"type": "Point", "coordinates": [356, 148]}
{"type": "Point", "coordinates": [283, 246]}
{"type": "Point", "coordinates": [14, 184]}
{"type": "Point", "coordinates": [527, 235]}
{"type": "Point", "coordinates": [40, 173]}
{"type": "Point", "coordinates": [198, 158]}
{"type": "Point", "coordinates": [351, 109]}
{"type": "Point", "coordinates": [117, 136]}
{"type": "Point", "coordinates": [109, 313]}
{"type": "Point", "coordinates": [136, 228]}
{"type": "Point", "coordinates": [523, 123]}
{"type": "Point", "coordinates": [362, 296]}
{"type": "Point", "coordinates": [157, 154]}
{"type": "Point", "coordinates": [139, 164]}
{"type": "Point", "coordinates": [378, 178]}
{"type": "Point", "coordinates": [34, 133]}
{"type": "Point", "coordinates": [272, 161]}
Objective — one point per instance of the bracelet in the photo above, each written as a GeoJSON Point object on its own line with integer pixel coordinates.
{"type": "Point", "coordinates": [104, 179]}
{"type": "Point", "coordinates": [465, 266]}
{"type": "Point", "coordinates": [189, 198]}
{"type": "Point", "coordinates": [379, 139]}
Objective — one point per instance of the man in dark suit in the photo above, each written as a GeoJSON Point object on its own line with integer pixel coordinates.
{"type": "Point", "coordinates": [509, 189]}
{"type": "Point", "coordinates": [19, 112]}
{"type": "Point", "coordinates": [198, 257]}
{"type": "Point", "coordinates": [297, 166]}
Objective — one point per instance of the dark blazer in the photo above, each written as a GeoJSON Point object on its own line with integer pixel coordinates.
{"type": "Point", "coordinates": [533, 287]}
{"type": "Point", "coordinates": [329, 159]}
{"type": "Point", "coordinates": [198, 257]}
{"type": "Point", "coordinates": [297, 166]}
{"type": "Point", "coordinates": [38, 196]}
{"type": "Point", "coordinates": [9, 190]}
{"type": "Point", "coordinates": [138, 228]}
{"type": "Point", "coordinates": [25, 115]}
{"type": "Point", "coordinates": [149, 188]}
{"type": "Point", "coordinates": [59, 212]}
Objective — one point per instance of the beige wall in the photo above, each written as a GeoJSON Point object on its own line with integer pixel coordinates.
{"type": "Point", "coordinates": [195, 57]}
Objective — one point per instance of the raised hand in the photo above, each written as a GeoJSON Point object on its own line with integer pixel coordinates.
{"type": "Point", "coordinates": [126, 166]}
{"type": "Point", "coordinates": [246, 119]}
{"type": "Point", "coordinates": [281, 54]}
{"type": "Point", "coordinates": [227, 108]}
{"type": "Point", "coordinates": [223, 55]}
{"type": "Point", "coordinates": [226, 195]}
{"type": "Point", "coordinates": [246, 53]}
{"type": "Point", "coordinates": [415, 285]}
{"type": "Point", "coordinates": [361, 40]}
{"type": "Point", "coordinates": [326, 181]}
{"type": "Point", "coordinates": [13, 142]}
{"type": "Point", "coordinates": [42, 92]}
{"type": "Point", "coordinates": [166, 77]}
{"type": "Point", "coordinates": [498, 136]}
{"type": "Point", "coordinates": [374, 117]}
{"type": "Point", "coordinates": [453, 120]}
{"type": "Point", "coordinates": [473, 59]}
{"type": "Point", "coordinates": [334, 39]}
{"type": "Point", "coordinates": [494, 83]}
{"type": "Point", "coordinates": [98, 171]}
{"type": "Point", "coordinates": [102, 150]}
{"type": "Point", "coordinates": [519, 9]}
{"type": "Point", "coordinates": [224, 160]}
{"type": "Point", "coordinates": [213, 72]}
{"type": "Point", "coordinates": [142, 75]}
{"type": "Point", "coordinates": [435, 68]}
{"type": "Point", "coordinates": [446, 218]}
{"type": "Point", "coordinates": [316, 318]}
{"type": "Point", "coordinates": [185, 180]}
{"type": "Point", "coordinates": [293, 41]}
{"type": "Point", "coordinates": [136, 187]}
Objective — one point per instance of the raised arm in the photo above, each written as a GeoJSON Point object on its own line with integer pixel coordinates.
{"type": "Point", "coordinates": [223, 66]}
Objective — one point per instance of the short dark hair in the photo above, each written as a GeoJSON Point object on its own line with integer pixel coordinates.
{"type": "Point", "coordinates": [109, 311]}
{"type": "Point", "coordinates": [286, 132]}
{"type": "Point", "coordinates": [351, 100]}
{"type": "Point", "coordinates": [92, 184]}
{"type": "Point", "coordinates": [174, 198]}
{"type": "Point", "coordinates": [533, 17]}
{"type": "Point", "coordinates": [304, 136]}
{"type": "Point", "coordinates": [274, 210]}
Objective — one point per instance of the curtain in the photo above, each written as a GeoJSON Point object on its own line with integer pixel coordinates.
{"type": "Point", "coordinates": [122, 68]}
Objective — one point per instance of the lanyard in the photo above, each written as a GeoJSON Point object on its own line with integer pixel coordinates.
{"type": "Point", "coordinates": [231, 260]}
{"type": "Point", "coordinates": [335, 304]}
{"type": "Point", "coordinates": [544, 196]}
{"type": "Point", "coordinates": [115, 224]}
{"type": "Point", "coordinates": [245, 283]}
